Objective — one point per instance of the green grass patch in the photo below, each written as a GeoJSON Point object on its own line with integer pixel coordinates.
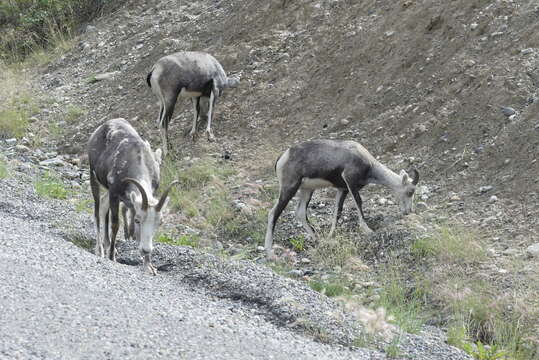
{"type": "Point", "coordinates": [73, 113]}
{"type": "Point", "coordinates": [4, 172]}
{"type": "Point", "coordinates": [51, 186]}
{"type": "Point", "coordinates": [404, 303]}
{"type": "Point", "coordinates": [451, 245]}
{"type": "Point", "coordinates": [298, 243]}
{"type": "Point", "coordinates": [85, 206]}
{"type": "Point", "coordinates": [191, 240]}
{"type": "Point", "coordinates": [332, 252]}
{"type": "Point", "coordinates": [330, 289]}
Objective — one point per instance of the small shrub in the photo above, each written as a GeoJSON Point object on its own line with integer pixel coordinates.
{"type": "Point", "coordinates": [51, 186]}
{"type": "Point", "coordinates": [298, 243]}
{"type": "Point", "coordinates": [484, 352]}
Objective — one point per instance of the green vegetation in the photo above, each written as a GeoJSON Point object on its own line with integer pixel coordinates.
{"type": "Point", "coordinates": [15, 115]}
{"type": "Point", "coordinates": [332, 252]}
{"type": "Point", "coordinates": [50, 185]}
{"type": "Point", "coordinates": [85, 205]}
{"type": "Point", "coordinates": [191, 240]}
{"type": "Point", "coordinates": [73, 113]}
{"type": "Point", "coordinates": [330, 289]}
{"type": "Point", "coordinates": [3, 169]}
{"type": "Point", "coordinates": [31, 25]}
{"type": "Point", "coordinates": [405, 305]}
{"type": "Point", "coordinates": [297, 242]}
{"type": "Point", "coordinates": [204, 197]}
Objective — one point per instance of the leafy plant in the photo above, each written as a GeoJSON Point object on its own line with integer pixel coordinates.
{"type": "Point", "coordinates": [484, 352]}
{"type": "Point", "coordinates": [297, 242]}
{"type": "Point", "coordinates": [191, 240]}
{"type": "Point", "coordinates": [51, 186]}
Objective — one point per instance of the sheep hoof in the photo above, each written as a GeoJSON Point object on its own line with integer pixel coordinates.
{"type": "Point", "coordinates": [211, 137]}
{"type": "Point", "coordinates": [151, 269]}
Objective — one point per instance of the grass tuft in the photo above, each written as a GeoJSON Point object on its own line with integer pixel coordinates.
{"type": "Point", "coordinates": [51, 186]}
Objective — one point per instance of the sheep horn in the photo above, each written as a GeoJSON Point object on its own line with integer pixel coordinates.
{"type": "Point", "coordinates": [416, 177]}
{"type": "Point", "coordinates": [142, 192]}
{"type": "Point", "coordinates": [165, 194]}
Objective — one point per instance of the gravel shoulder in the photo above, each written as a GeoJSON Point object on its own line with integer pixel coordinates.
{"type": "Point", "coordinates": [59, 302]}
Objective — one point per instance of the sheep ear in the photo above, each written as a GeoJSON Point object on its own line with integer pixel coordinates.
{"type": "Point", "coordinates": [405, 178]}
{"type": "Point", "coordinates": [158, 156]}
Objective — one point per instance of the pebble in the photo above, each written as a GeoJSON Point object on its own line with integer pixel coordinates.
{"type": "Point", "coordinates": [260, 248]}
{"type": "Point", "coordinates": [305, 261]}
{"type": "Point", "coordinates": [382, 201]}
{"type": "Point", "coordinates": [296, 273]}
{"type": "Point", "coordinates": [526, 51]}
{"type": "Point", "coordinates": [11, 141]}
{"type": "Point", "coordinates": [22, 148]}
{"type": "Point", "coordinates": [474, 26]}
{"type": "Point", "coordinates": [508, 111]}
{"type": "Point", "coordinates": [493, 199]}
{"type": "Point", "coordinates": [345, 121]}
{"type": "Point", "coordinates": [533, 250]}
{"type": "Point", "coordinates": [421, 206]}
{"type": "Point", "coordinates": [455, 197]}
{"type": "Point", "coordinates": [52, 162]}
{"type": "Point", "coordinates": [484, 189]}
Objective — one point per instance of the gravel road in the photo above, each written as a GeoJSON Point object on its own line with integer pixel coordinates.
{"type": "Point", "coordinates": [60, 302]}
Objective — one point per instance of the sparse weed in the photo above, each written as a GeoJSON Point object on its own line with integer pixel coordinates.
{"type": "Point", "coordinates": [3, 169]}
{"type": "Point", "coordinates": [85, 205]}
{"type": "Point", "coordinates": [50, 185]}
{"type": "Point", "coordinates": [332, 252]}
{"type": "Point", "coordinates": [298, 242]}
{"type": "Point", "coordinates": [191, 240]}
{"type": "Point", "coordinates": [451, 245]}
{"type": "Point", "coordinates": [330, 289]}
{"type": "Point", "coordinates": [73, 113]}
{"type": "Point", "coordinates": [403, 303]}
{"type": "Point", "coordinates": [484, 352]}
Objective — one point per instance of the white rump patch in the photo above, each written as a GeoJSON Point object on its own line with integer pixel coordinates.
{"type": "Point", "coordinates": [312, 184]}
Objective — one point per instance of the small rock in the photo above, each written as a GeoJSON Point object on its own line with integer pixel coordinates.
{"type": "Point", "coordinates": [106, 76]}
{"type": "Point", "coordinates": [52, 162]}
{"type": "Point", "coordinates": [260, 248]}
{"type": "Point", "coordinates": [389, 33]}
{"type": "Point", "coordinates": [22, 148]}
{"type": "Point", "coordinates": [455, 197]}
{"type": "Point", "coordinates": [526, 51]}
{"type": "Point", "coordinates": [508, 111]}
{"type": "Point", "coordinates": [345, 121]}
{"type": "Point", "coordinates": [305, 261]}
{"type": "Point", "coordinates": [11, 141]}
{"type": "Point", "coordinates": [493, 199]}
{"type": "Point", "coordinates": [421, 206]}
{"type": "Point", "coordinates": [507, 161]}
{"type": "Point", "coordinates": [474, 26]}
{"type": "Point", "coordinates": [382, 201]}
{"type": "Point", "coordinates": [484, 189]}
{"type": "Point", "coordinates": [510, 252]}
{"type": "Point", "coordinates": [533, 250]}
{"type": "Point", "coordinates": [296, 273]}
{"type": "Point", "coordinates": [90, 28]}
{"type": "Point", "coordinates": [502, 271]}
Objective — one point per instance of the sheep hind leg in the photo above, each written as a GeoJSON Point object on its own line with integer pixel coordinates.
{"type": "Point", "coordinates": [196, 115]}
{"type": "Point", "coordinates": [212, 102]}
{"type": "Point", "coordinates": [301, 211]}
